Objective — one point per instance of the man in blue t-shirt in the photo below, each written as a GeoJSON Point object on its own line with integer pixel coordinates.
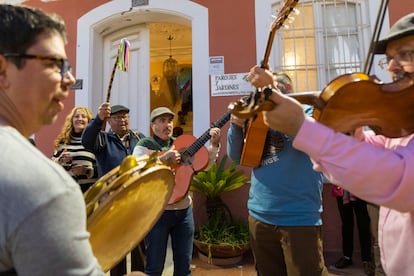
{"type": "Point", "coordinates": [285, 200]}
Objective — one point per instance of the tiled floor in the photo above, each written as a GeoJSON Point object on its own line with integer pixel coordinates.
{"type": "Point", "coordinates": [246, 267]}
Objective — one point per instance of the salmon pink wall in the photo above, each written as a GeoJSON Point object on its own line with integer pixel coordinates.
{"type": "Point", "coordinates": [397, 9]}
{"type": "Point", "coordinates": [232, 35]}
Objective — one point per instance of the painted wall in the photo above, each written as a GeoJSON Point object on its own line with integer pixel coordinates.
{"type": "Point", "coordinates": [397, 9]}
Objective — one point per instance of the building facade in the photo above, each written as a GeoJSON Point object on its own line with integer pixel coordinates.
{"type": "Point", "coordinates": [214, 43]}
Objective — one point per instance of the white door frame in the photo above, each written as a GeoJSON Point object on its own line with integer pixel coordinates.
{"type": "Point", "coordinates": [94, 25]}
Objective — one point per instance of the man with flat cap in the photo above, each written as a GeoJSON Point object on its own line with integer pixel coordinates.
{"type": "Point", "coordinates": [110, 148]}
{"type": "Point", "coordinates": [177, 219]}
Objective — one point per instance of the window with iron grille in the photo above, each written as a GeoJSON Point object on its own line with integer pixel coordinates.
{"type": "Point", "coordinates": [324, 40]}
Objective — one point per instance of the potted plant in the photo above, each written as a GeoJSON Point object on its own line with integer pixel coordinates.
{"type": "Point", "coordinates": [221, 236]}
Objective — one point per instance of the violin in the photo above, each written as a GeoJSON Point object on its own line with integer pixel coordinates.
{"type": "Point", "coordinates": [348, 102]}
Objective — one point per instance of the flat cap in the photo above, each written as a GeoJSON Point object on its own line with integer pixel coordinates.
{"type": "Point", "coordinates": [119, 108]}
{"type": "Point", "coordinates": [160, 111]}
{"type": "Point", "coordinates": [402, 28]}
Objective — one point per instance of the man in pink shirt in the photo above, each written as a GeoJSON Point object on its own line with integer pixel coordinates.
{"type": "Point", "coordinates": [373, 167]}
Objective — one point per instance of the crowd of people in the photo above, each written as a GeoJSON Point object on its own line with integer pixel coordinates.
{"type": "Point", "coordinates": [43, 210]}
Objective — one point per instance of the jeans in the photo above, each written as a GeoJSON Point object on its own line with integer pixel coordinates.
{"type": "Point", "coordinates": [287, 250]}
{"type": "Point", "coordinates": [179, 224]}
{"type": "Point", "coordinates": [137, 261]}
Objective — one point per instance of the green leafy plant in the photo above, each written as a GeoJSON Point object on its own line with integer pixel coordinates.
{"type": "Point", "coordinates": [221, 228]}
{"type": "Point", "coordinates": [218, 179]}
{"type": "Point", "coordinates": [224, 232]}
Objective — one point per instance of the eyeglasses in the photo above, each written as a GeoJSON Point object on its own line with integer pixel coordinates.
{"type": "Point", "coordinates": [61, 63]}
{"type": "Point", "coordinates": [120, 117]}
{"type": "Point", "coordinates": [403, 56]}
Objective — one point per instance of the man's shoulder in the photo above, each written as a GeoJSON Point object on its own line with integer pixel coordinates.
{"type": "Point", "coordinates": [149, 143]}
{"type": "Point", "coordinates": [137, 134]}
{"type": "Point", "coordinates": [146, 140]}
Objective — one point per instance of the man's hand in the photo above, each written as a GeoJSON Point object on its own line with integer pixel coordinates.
{"type": "Point", "coordinates": [104, 111]}
{"type": "Point", "coordinates": [171, 156]}
{"type": "Point", "coordinates": [260, 77]}
{"type": "Point", "coordinates": [215, 136]}
{"type": "Point", "coordinates": [287, 115]}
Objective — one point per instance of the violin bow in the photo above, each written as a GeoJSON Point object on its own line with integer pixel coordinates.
{"type": "Point", "coordinates": [122, 62]}
{"type": "Point", "coordinates": [375, 35]}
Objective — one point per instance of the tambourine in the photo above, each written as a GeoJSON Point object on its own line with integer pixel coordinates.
{"type": "Point", "coordinates": [124, 204]}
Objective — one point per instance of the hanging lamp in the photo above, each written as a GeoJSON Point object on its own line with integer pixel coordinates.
{"type": "Point", "coordinates": [170, 66]}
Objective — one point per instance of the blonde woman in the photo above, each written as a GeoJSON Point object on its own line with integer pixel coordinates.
{"type": "Point", "coordinates": [69, 152]}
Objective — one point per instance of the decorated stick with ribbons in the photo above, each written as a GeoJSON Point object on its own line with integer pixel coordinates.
{"type": "Point", "coordinates": [122, 62]}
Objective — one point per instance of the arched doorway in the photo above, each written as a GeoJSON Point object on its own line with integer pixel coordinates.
{"type": "Point", "coordinates": [98, 32]}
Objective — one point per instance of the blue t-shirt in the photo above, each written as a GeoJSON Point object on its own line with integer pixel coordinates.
{"type": "Point", "coordinates": [285, 190]}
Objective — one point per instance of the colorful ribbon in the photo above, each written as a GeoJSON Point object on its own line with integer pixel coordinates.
{"type": "Point", "coordinates": [123, 54]}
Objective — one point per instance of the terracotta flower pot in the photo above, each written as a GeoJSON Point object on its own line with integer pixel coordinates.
{"type": "Point", "coordinates": [221, 251]}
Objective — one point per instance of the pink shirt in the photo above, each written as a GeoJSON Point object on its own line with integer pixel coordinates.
{"type": "Point", "coordinates": [380, 171]}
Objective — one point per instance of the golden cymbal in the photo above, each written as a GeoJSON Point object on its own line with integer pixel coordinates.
{"type": "Point", "coordinates": [123, 218]}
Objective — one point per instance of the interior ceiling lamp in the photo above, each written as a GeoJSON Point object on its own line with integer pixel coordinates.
{"type": "Point", "coordinates": [170, 66]}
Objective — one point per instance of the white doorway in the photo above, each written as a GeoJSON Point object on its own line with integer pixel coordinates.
{"type": "Point", "coordinates": [99, 32]}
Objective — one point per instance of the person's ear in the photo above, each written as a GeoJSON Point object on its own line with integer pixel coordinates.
{"type": "Point", "coordinates": [3, 62]}
{"type": "Point", "coordinates": [3, 71]}
{"type": "Point", "coordinates": [152, 125]}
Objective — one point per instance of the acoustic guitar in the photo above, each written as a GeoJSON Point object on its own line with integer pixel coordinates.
{"type": "Point", "coordinates": [256, 131]}
{"type": "Point", "coordinates": [194, 158]}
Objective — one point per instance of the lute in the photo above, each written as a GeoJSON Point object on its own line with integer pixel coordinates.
{"type": "Point", "coordinates": [194, 157]}
{"type": "Point", "coordinates": [256, 130]}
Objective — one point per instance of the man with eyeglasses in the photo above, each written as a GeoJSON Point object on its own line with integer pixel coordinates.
{"type": "Point", "coordinates": [110, 148]}
{"type": "Point", "coordinates": [61, 63]}
{"type": "Point", "coordinates": [375, 168]}
{"type": "Point", "coordinates": [42, 210]}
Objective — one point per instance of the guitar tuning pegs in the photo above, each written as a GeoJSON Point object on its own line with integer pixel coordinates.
{"type": "Point", "coordinates": [267, 91]}
{"type": "Point", "coordinates": [285, 26]}
{"type": "Point", "coordinates": [290, 19]}
{"type": "Point", "coordinates": [295, 11]}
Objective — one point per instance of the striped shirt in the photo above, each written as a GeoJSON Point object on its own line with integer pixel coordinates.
{"type": "Point", "coordinates": [82, 157]}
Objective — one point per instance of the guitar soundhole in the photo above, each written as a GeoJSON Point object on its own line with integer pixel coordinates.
{"type": "Point", "coordinates": [186, 158]}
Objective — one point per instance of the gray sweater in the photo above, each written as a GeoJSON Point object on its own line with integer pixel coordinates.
{"type": "Point", "coordinates": [42, 214]}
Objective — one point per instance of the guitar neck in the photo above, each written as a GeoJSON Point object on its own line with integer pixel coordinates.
{"type": "Point", "coordinates": [276, 25]}
{"type": "Point", "coordinates": [310, 98]}
{"type": "Point", "coordinates": [196, 146]}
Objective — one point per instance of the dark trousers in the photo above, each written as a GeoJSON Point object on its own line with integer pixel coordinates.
{"type": "Point", "coordinates": [347, 211]}
{"type": "Point", "coordinates": [287, 250]}
{"type": "Point", "coordinates": [137, 261]}
{"type": "Point", "coordinates": [373, 212]}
